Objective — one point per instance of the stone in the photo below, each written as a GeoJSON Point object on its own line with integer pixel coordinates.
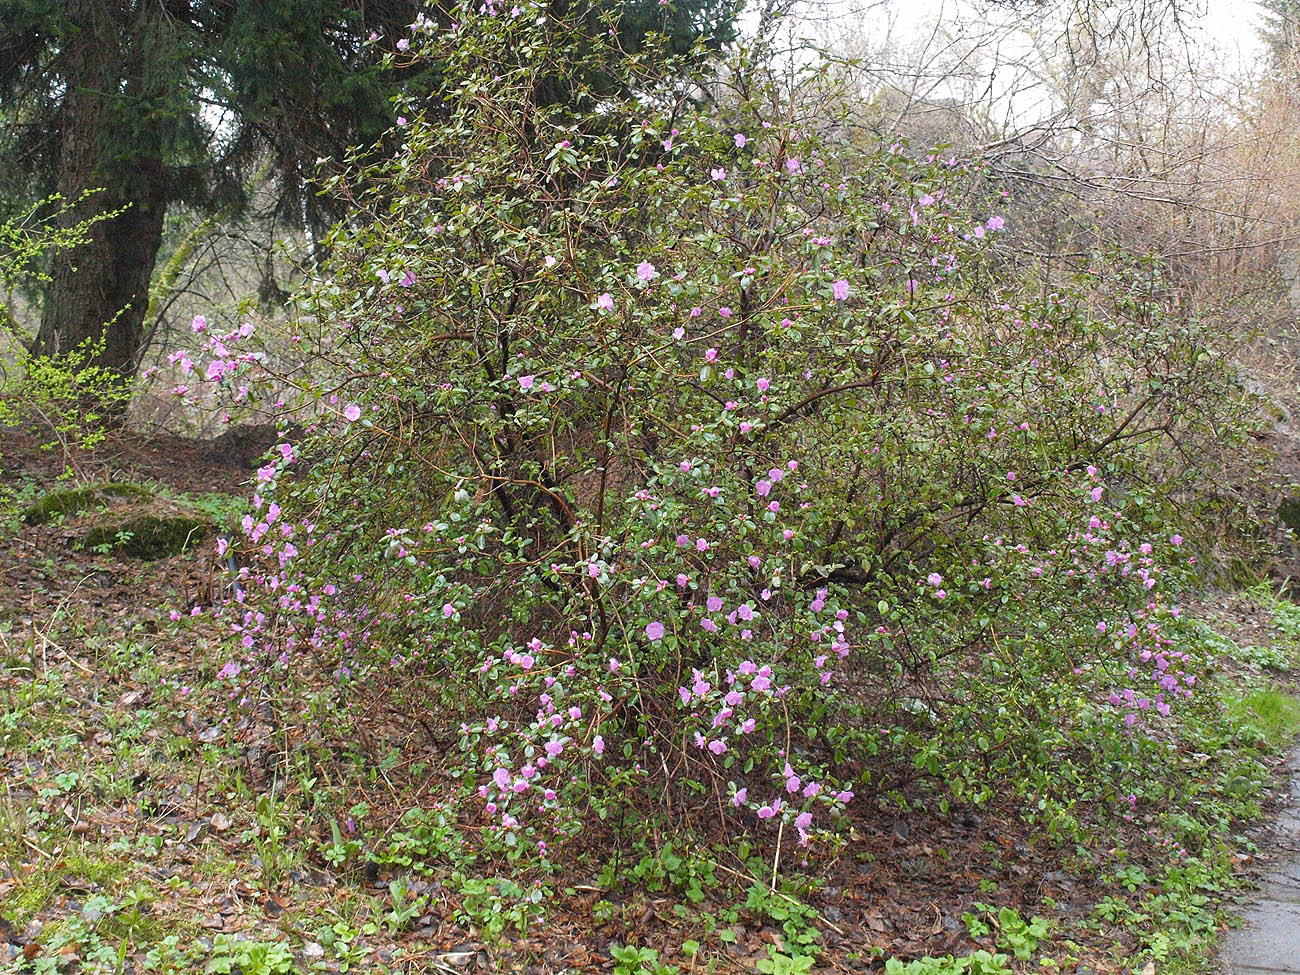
{"type": "Point", "coordinates": [73, 501]}
{"type": "Point", "coordinates": [1268, 943]}
{"type": "Point", "coordinates": [149, 536]}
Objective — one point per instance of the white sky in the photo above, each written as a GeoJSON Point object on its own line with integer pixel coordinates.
{"type": "Point", "coordinates": [1232, 24]}
{"type": "Point", "coordinates": [1227, 25]}
{"type": "Point", "coordinates": [901, 36]}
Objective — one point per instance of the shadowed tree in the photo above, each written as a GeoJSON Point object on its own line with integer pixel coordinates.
{"type": "Point", "coordinates": [163, 102]}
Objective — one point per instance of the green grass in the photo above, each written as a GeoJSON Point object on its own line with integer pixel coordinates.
{"type": "Point", "coordinates": [1267, 717]}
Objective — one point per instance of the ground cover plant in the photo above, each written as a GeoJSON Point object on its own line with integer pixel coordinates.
{"type": "Point", "coordinates": [150, 827]}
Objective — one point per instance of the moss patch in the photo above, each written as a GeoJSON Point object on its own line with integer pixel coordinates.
{"type": "Point", "coordinates": [32, 894]}
{"type": "Point", "coordinates": [149, 536]}
{"type": "Point", "coordinates": [72, 501]}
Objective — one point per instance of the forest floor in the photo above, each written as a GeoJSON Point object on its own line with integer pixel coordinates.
{"type": "Point", "coordinates": [147, 823]}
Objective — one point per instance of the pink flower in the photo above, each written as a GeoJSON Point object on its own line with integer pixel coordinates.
{"type": "Point", "coordinates": [803, 822]}
{"type": "Point", "coordinates": [1096, 493]}
{"type": "Point", "coordinates": [763, 488]}
{"type": "Point", "coordinates": [352, 413]}
{"type": "Point", "coordinates": [793, 165]}
{"type": "Point", "coordinates": [763, 385]}
{"type": "Point", "coordinates": [739, 798]}
{"type": "Point", "coordinates": [718, 174]}
{"type": "Point", "coordinates": [724, 311]}
{"type": "Point", "coordinates": [739, 139]}
{"type": "Point", "coordinates": [655, 631]}
{"type": "Point", "coordinates": [840, 289]}
{"type": "Point", "coordinates": [996, 223]}
{"type": "Point", "coordinates": [525, 382]}
{"type": "Point", "coordinates": [646, 271]}
{"type": "Point", "coordinates": [598, 745]}
{"type": "Point", "coordinates": [605, 302]}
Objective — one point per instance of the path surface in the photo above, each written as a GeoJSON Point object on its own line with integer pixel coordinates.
{"type": "Point", "coordinates": [1270, 940]}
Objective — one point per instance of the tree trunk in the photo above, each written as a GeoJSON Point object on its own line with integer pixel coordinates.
{"type": "Point", "coordinates": [101, 289]}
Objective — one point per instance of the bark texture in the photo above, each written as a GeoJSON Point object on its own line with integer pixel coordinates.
{"type": "Point", "coordinates": [101, 289]}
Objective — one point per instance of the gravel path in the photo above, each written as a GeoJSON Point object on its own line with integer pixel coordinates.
{"type": "Point", "coordinates": [1269, 943]}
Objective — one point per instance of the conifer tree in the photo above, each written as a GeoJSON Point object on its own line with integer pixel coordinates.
{"type": "Point", "coordinates": [163, 102]}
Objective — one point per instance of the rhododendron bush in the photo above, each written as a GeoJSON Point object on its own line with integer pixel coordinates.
{"type": "Point", "coordinates": [696, 461]}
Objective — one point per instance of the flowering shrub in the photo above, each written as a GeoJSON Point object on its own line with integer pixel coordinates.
{"type": "Point", "coordinates": [688, 458]}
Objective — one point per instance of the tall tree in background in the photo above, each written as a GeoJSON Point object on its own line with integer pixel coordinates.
{"type": "Point", "coordinates": [163, 102]}
{"type": "Point", "coordinates": [1280, 32]}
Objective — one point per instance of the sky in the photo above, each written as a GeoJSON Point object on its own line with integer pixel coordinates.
{"type": "Point", "coordinates": [1229, 25]}
{"type": "Point", "coordinates": [1233, 24]}
{"type": "Point", "coordinates": [900, 36]}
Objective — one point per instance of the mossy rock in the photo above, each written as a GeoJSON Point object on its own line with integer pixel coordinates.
{"type": "Point", "coordinates": [1289, 512]}
{"type": "Point", "coordinates": [149, 536]}
{"type": "Point", "coordinates": [73, 501]}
